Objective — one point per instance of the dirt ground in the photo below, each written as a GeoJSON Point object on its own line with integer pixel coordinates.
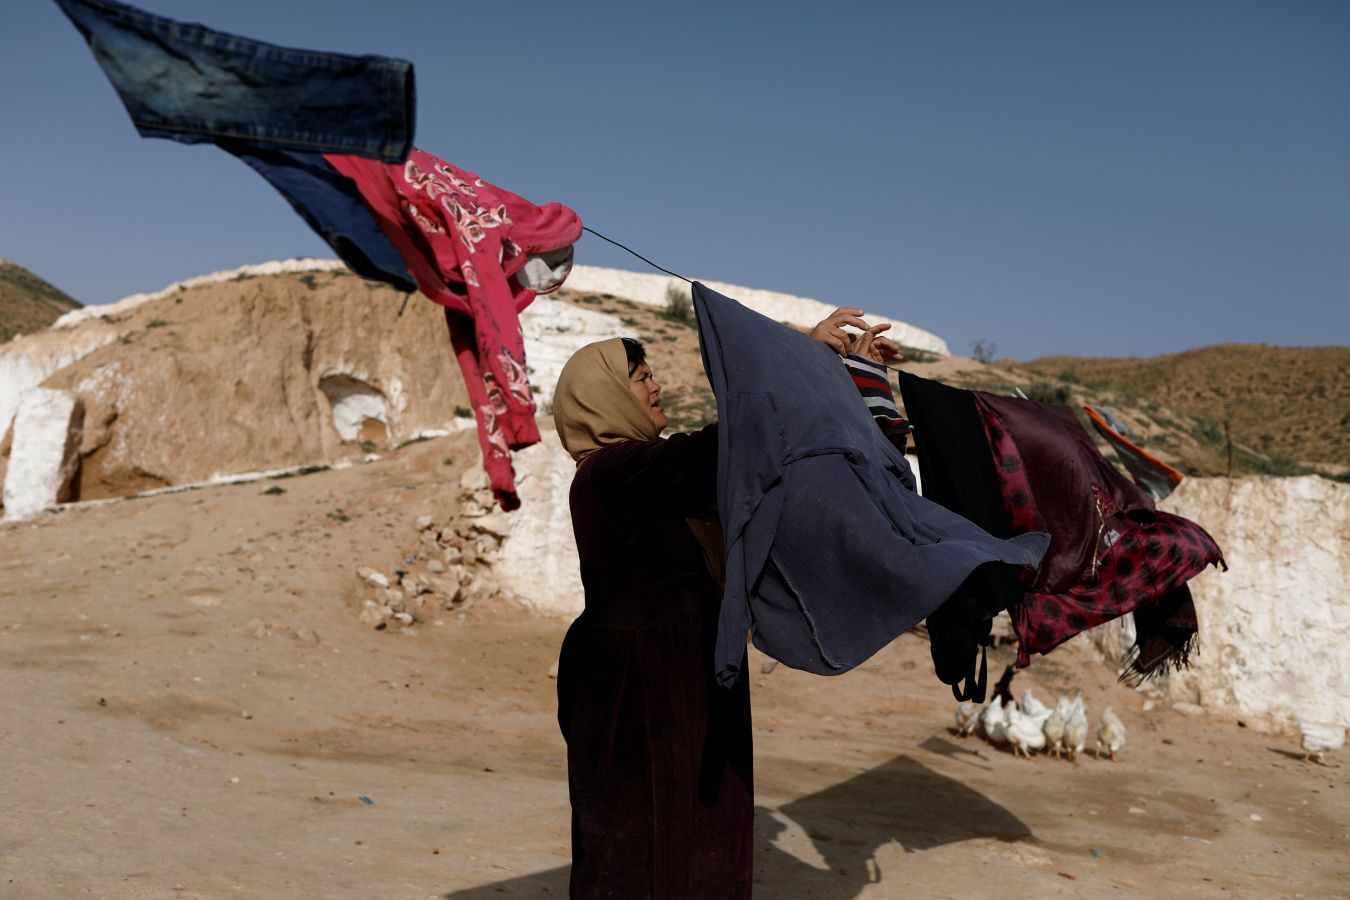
{"type": "Point", "coordinates": [190, 709]}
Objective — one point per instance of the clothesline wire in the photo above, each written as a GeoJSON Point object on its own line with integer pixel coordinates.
{"type": "Point", "coordinates": [603, 238]}
{"type": "Point", "coordinates": [663, 269]}
{"type": "Point", "coordinates": [635, 253]}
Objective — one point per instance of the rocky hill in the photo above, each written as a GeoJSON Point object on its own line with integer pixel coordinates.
{"type": "Point", "coordinates": [301, 365]}
{"type": "Point", "coordinates": [27, 303]}
{"type": "Point", "coordinates": [290, 364]}
{"type": "Point", "coordinates": [1288, 408]}
{"type": "Point", "coordinates": [235, 376]}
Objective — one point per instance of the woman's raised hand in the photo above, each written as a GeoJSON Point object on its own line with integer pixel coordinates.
{"type": "Point", "coordinates": [869, 345]}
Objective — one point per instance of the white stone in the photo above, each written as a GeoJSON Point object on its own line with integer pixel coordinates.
{"type": "Point", "coordinates": [473, 479]}
{"type": "Point", "coordinates": [537, 562]}
{"type": "Point", "coordinates": [379, 579]}
{"type": "Point", "coordinates": [27, 361]}
{"type": "Point", "coordinates": [447, 587]}
{"type": "Point", "coordinates": [1274, 636]}
{"type": "Point", "coordinates": [484, 585]}
{"type": "Point", "coordinates": [435, 565]}
{"type": "Point", "coordinates": [373, 616]}
{"type": "Point", "coordinates": [650, 290]}
{"type": "Point", "coordinates": [126, 304]}
{"type": "Point", "coordinates": [553, 332]}
{"type": "Point", "coordinates": [45, 454]}
{"type": "Point", "coordinates": [352, 400]}
{"type": "Point", "coordinates": [498, 524]}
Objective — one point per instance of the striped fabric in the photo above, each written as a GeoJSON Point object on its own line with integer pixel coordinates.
{"type": "Point", "coordinates": [870, 379]}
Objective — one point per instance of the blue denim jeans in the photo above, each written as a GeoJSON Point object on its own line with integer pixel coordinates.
{"type": "Point", "coordinates": [276, 108]}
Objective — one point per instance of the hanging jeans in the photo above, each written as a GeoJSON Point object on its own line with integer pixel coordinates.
{"type": "Point", "coordinates": [278, 109]}
{"type": "Point", "coordinates": [322, 128]}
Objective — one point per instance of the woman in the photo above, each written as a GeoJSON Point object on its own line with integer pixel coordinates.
{"type": "Point", "coordinates": [659, 757]}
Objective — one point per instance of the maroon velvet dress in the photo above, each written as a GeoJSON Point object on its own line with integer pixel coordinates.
{"type": "Point", "coordinates": [658, 756]}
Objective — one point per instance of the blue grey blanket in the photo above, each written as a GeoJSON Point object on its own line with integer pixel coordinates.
{"type": "Point", "coordinates": [831, 554]}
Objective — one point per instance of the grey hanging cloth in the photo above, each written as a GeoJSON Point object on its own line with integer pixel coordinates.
{"type": "Point", "coordinates": [831, 554]}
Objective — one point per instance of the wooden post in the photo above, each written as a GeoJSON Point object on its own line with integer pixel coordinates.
{"type": "Point", "coordinates": [1228, 439]}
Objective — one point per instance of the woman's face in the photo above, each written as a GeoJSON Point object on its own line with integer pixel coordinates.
{"type": "Point", "coordinates": [643, 385]}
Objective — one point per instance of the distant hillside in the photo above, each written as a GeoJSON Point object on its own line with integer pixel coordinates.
{"type": "Point", "coordinates": [1300, 392]}
{"type": "Point", "coordinates": [27, 303]}
{"type": "Point", "coordinates": [1290, 404]}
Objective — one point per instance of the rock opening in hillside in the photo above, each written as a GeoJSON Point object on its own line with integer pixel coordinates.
{"type": "Point", "coordinates": [360, 410]}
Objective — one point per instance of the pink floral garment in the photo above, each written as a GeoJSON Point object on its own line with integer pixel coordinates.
{"type": "Point", "coordinates": [463, 239]}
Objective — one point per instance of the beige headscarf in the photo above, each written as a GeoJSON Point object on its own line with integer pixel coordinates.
{"type": "Point", "coordinates": [593, 406]}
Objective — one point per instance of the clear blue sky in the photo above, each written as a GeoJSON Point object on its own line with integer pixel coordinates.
{"type": "Point", "coordinates": [1124, 178]}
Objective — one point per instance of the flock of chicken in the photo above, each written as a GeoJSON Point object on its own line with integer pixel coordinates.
{"type": "Point", "coordinates": [1031, 725]}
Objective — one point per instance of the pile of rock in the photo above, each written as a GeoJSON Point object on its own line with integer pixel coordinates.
{"type": "Point", "coordinates": [450, 569]}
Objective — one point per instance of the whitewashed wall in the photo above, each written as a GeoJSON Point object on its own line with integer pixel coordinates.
{"type": "Point", "coordinates": [1275, 628]}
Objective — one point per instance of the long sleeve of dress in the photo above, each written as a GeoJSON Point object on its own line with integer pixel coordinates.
{"type": "Point", "coordinates": [675, 476]}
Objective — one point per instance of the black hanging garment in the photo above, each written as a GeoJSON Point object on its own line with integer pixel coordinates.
{"type": "Point", "coordinates": [1111, 550]}
{"type": "Point", "coordinates": [958, 473]}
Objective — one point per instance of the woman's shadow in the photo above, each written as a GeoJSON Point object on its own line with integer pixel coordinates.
{"type": "Point", "coordinates": [900, 801]}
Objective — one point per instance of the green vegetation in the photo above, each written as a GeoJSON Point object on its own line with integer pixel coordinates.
{"type": "Point", "coordinates": [679, 305]}
{"type": "Point", "coordinates": [1045, 392]}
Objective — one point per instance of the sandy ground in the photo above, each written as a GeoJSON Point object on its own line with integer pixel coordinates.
{"type": "Point", "coordinates": [190, 709]}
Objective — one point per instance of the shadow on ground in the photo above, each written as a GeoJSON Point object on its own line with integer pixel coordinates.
{"type": "Point", "coordinates": [901, 801]}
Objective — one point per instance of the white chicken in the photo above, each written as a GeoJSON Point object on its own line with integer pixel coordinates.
{"type": "Point", "coordinates": [1054, 727]}
{"type": "Point", "coordinates": [1042, 712]}
{"type": "Point", "coordinates": [1076, 728]}
{"type": "Point", "coordinates": [967, 717]}
{"type": "Point", "coordinates": [1024, 732]}
{"type": "Point", "coordinates": [1110, 734]}
{"type": "Point", "coordinates": [1032, 707]}
{"type": "Point", "coordinates": [1319, 739]}
{"type": "Point", "coordinates": [995, 722]}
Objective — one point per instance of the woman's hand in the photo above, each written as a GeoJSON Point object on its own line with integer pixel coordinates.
{"type": "Point", "coordinates": [830, 331]}
{"type": "Point", "coordinates": [878, 349]}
